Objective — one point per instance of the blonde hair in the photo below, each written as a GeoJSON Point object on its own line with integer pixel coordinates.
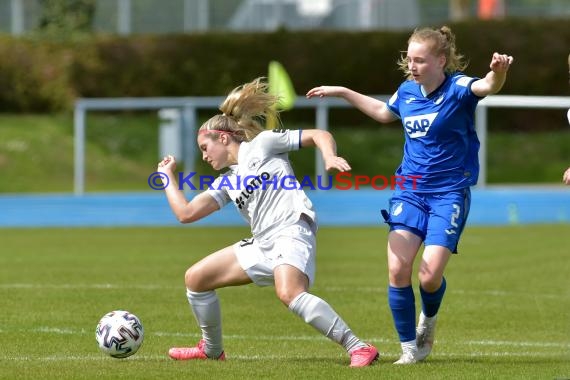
{"type": "Point", "coordinates": [442, 42]}
{"type": "Point", "coordinates": [244, 112]}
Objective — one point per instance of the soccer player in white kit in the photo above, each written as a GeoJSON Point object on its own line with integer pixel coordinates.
{"type": "Point", "coordinates": [260, 183]}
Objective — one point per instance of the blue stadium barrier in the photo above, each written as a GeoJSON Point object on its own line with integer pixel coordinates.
{"type": "Point", "coordinates": [496, 206]}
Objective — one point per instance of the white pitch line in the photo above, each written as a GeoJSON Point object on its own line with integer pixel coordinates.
{"type": "Point", "coordinates": [376, 340]}
{"type": "Point", "coordinates": [518, 344]}
{"type": "Point", "coordinates": [85, 286]}
{"type": "Point", "coordinates": [154, 357]}
{"type": "Point", "coordinates": [364, 289]}
{"type": "Point", "coordinates": [283, 338]}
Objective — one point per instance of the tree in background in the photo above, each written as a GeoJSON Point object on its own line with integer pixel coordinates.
{"type": "Point", "coordinates": [459, 9]}
{"type": "Point", "coordinates": [63, 19]}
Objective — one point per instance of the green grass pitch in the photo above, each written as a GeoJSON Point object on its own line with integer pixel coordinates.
{"type": "Point", "coordinates": [506, 314]}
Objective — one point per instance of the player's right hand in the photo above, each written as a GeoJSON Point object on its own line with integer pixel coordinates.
{"type": "Point", "coordinates": [323, 91]}
{"type": "Point", "coordinates": [168, 163]}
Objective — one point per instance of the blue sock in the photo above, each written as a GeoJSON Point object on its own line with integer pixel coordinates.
{"type": "Point", "coordinates": [403, 305]}
{"type": "Point", "coordinates": [432, 301]}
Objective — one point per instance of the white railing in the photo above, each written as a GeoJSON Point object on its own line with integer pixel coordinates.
{"type": "Point", "coordinates": [189, 107]}
{"type": "Point", "coordinates": [508, 101]}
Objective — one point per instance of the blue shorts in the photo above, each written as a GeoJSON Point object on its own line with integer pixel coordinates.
{"type": "Point", "coordinates": [437, 218]}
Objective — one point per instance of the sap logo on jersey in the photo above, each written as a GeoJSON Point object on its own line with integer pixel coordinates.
{"type": "Point", "coordinates": [418, 126]}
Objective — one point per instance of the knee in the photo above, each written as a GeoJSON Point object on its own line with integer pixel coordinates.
{"type": "Point", "coordinates": [430, 282]}
{"type": "Point", "coordinates": [193, 280]}
{"type": "Point", "coordinates": [287, 295]}
{"type": "Point", "coordinates": [400, 276]}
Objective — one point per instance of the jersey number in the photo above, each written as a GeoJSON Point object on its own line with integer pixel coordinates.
{"type": "Point", "coordinates": [455, 215]}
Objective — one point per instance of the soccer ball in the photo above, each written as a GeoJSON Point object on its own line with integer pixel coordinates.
{"type": "Point", "coordinates": [119, 334]}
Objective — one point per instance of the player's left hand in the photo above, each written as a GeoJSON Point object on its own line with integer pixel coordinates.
{"type": "Point", "coordinates": [336, 162]}
{"type": "Point", "coordinates": [500, 63]}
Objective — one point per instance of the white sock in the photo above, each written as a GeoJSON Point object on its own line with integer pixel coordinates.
{"type": "Point", "coordinates": [206, 308]}
{"type": "Point", "coordinates": [426, 321]}
{"type": "Point", "coordinates": [410, 346]}
{"type": "Point", "coordinates": [324, 319]}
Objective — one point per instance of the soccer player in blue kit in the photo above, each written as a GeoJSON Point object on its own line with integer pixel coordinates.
{"type": "Point", "coordinates": [436, 104]}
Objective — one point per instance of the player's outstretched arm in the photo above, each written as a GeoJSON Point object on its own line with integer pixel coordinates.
{"type": "Point", "coordinates": [325, 142]}
{"type": "Point", "coordinates": [374, 108]}
{"type": "Point", "coordinates": [495, 79]}
{"type": "Point", "coordinates": [185, 211]}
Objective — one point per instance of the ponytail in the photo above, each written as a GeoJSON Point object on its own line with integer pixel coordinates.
{"type": "Point", "coordinates": [244, 112]}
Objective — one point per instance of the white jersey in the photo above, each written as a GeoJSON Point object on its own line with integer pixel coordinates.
{"type": "Point", "coordinates": [263, 186]}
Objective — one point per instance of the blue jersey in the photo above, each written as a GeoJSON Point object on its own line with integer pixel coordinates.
{"type": "Point", "coordinates": [441, 147]}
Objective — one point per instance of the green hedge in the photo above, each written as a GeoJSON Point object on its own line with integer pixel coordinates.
{"type": "Point", "coordinates": [36, 76]}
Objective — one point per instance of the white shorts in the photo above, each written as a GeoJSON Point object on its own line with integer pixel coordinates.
{"type": "Point", "coordinates": [295, 245]}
